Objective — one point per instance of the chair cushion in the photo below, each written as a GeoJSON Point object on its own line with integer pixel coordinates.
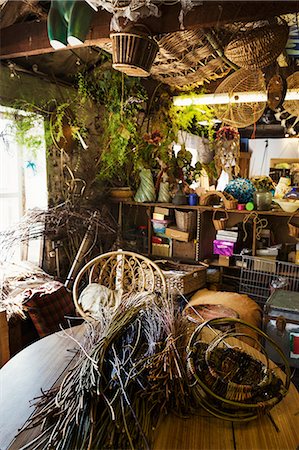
{"type": "Point", "coordinates": [48, 305]}
{"type": "Point", "coordinates": [96, 296]}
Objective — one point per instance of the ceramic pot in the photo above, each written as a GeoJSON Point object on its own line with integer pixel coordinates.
{"type": "Point", "coordinates": [146, 191]}
{"type": "Point", "coordinates": [180, 198]}
{"type": "Point", "coordinates": [164, 194]}
{"type": "Point", "coordinates": [262, 200]}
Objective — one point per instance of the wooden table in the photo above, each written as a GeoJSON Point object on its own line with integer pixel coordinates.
{"type": "Point", "coordinates": [42, 364]}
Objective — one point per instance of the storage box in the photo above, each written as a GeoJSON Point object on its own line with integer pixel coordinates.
{"type": "Point", "coordinates": [179, 235]}
{"type": "Point", "coordinates": [224, 260]}
{"type": "Point", "coordinates": [265, 264]}
{"type": "Point", "coordinates": [184, 250]}
{"type": "Point", "coordinates": [183, 278]}
{"type": "Point", "coordinates": [281, 323]}
{"type": "Point", "coordinates": [224, 248]}
{"type": "Point", "coordinates": [161, 249]}
{"type": "Point", "coordinates": [160, 210]}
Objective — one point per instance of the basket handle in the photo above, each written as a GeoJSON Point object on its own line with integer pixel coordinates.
{"type": "Point", "coordinates": [215, 212]}
{"type": "Point", "coordinates": [291, 217]}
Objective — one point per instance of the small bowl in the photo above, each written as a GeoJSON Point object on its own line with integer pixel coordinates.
{"type": "Point", "coordinates": [289, 206]}
{"type": "Point", "coordinates": [159, 226]}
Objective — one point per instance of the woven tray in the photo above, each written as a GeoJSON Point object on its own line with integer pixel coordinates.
{"type": "Point", "coordinates": [183, 278]}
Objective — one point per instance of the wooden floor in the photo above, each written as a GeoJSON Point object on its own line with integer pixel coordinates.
{"type": "Point", "coordinates": [41, 365]}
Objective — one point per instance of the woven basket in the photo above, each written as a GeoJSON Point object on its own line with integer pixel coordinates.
{"type": "Point", "coordinates": [185, 220]}
{"type": "Point", "coordinates": [293, 229]}
{"type": "Point", "coordinates": [229, 202]}
{"type": "Point", "coordinates": [182, 278]}
{"type": "Point", "coordinates": [259, 47]}
{"type": "Point", "coordinates": [220, 223]}
{"type": "Point", "coordinates": [133, 53]}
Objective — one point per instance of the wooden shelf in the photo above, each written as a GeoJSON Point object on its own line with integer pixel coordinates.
{"type": "Point", "coordinates": [273, 212]}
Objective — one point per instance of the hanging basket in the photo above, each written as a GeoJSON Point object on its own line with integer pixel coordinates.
{"type": "Point", "coordinates": [293, 229]}
{"type": "Point", "coordinates": [258, 47]}
{"type": "Point", "coordinates": [220, 224]}
{"type": "Point", "coordinates": [133, 53]}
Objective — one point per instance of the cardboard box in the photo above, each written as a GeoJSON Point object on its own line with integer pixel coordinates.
{"type": "Point", "coordinates": [265, 264]}
{"type": "Point", "coordinates": [160, 210]}
{"type": "Point", "coordinates": [224, 260]}
{"type": "Point", "coordinates": [161, 249]}
{"type": "Point", "coordinates": [158, 216]}
{"type": "Point", "coordinates": [179, 235]}
{"type": "Point", "coordinates": [184, 250]}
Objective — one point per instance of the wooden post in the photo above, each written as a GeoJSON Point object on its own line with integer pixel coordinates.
{"type": "Point", "coordinates": [4, 338]}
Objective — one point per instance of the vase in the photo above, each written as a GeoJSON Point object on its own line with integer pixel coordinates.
{"type": "Point", "coordinates": [180, 198]}
{"type": "Point", "coordinates": [146, 191]}
{"type": "Point", "coordinates": [164, 194]}
{"type": "Point", "coordinates": [262, 200]}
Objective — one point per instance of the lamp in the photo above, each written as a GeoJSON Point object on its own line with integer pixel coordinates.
{"type": "Point", "coordinates": [236, 97]}
{"type": "Point", "coordinates": [68, 22]}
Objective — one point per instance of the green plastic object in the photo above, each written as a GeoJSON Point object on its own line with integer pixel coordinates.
{"type": "Point", "coordinates": [68, 22]}
{"type": "Point", "coordinates": [249, 206]}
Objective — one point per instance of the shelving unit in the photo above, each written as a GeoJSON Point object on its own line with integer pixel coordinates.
{"type": "Point", "coordinates": [135, 213]}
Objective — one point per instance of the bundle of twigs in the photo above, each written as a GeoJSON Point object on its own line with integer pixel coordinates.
{"type": "Point", "coordinates": [130, 371]}
{"type": "Point", "coordinates": [63, 221]}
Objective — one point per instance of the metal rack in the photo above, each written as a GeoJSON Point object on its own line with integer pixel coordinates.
{"type": "Point", "coordinates": [257, 274]}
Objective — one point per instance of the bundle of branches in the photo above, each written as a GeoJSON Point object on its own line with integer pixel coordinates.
{"type": "Point", "coordinates": [129, 373]}
{"type": "Point", "coordinates": [63, 221]}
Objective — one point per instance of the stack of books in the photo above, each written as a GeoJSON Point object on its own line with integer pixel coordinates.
{"type": "Point", "coordinates": [227, 235]}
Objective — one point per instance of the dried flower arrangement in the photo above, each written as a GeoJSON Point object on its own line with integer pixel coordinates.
{"type": "Point", "coordinates": [227, 150]}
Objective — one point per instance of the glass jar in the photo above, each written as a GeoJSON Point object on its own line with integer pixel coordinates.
{"type": "Point", "coordinates": [262, 200]}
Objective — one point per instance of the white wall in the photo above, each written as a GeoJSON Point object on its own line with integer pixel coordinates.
{"type": "Point", "coordinates": [277, 148]}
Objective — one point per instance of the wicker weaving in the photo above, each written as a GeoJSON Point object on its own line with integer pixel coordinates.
{"type": "Point", "coordinates": [230, 382]}
{"type": "Point", "coordinates": [258, 47]}
{"type": "Point", "coordinates": [241, 114]}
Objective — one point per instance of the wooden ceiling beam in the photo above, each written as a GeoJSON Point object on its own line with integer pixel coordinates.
{"type": "Point", "coordinates": [31, 38]}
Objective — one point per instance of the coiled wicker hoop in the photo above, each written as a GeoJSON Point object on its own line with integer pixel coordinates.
{"type": "Point", "coordinates": [258, 47]}
{"type": "Point", "coordinates": [229, 379]}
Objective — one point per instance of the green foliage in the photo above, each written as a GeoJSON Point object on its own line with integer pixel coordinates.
{"type": "Point", "coordinates": [187, 118]}
{"type": "Point", "coordinates": [24, 129]}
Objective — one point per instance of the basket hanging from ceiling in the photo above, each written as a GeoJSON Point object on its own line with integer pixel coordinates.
{"type": "Point", "coordinates": [292, 106]}
{"type": "Point", "coordinates": [241, 114]}
{"type": "Point", "coordinates": [133, 53]}
{"type": "Point", "coordinates": [258, 47]}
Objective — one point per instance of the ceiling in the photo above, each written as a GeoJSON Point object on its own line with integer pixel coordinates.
{"type": "Point", "coordinates": [186, 59]}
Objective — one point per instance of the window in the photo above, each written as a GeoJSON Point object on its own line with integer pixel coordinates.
{"type": "Point", "coordinates": [23, 183]}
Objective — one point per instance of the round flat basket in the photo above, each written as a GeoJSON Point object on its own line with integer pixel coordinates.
{"type": "Point", "coordinates": [133, 54]}
{"type": "Point", "coordinates": [258, 47]}
{"type": "Point", "coordinates": [241, 113]}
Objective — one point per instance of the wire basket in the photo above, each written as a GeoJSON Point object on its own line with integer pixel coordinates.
{"type": "Point", "coordinates": [133, 53]}
{"type": "Point", "coordinates": [258, 274]}
{"type": "Point", "coordinates": [258, 47]}
{"type": "Point", "coordinates": [185, 220]}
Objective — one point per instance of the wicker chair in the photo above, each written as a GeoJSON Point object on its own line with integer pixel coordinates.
{"type": "Point", "coordinates": [123, 270]}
